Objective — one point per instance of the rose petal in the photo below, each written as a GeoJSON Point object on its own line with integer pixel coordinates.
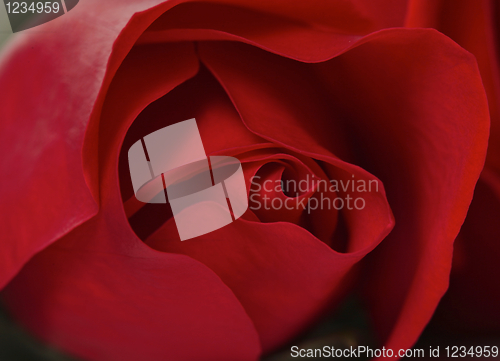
{"type": "Point", "coordinates": [206, 21]}
{"type": "Point", "coordinates": [471, 24]}
{"type": "Point", "coordinates": [100, 293]}
{"type": "Point", "coordinates": [471, 303]}
{"type": "Point", "coordinates": [343, 15]}
{"type": "Point", "coordinates": [151, 306]}
{"type": "Point", "coordinates": [412, 105]}
{"type": "Point", "coordinates": [50, 81]}
{"type": "Point", "coordinates": [300, 30]}
{"type": "Point", "coordinates": [420, 121]}
{"type": "Point", "coordinates": [281, 273]}
{"type": "Point", "coordinates": [201, 98]}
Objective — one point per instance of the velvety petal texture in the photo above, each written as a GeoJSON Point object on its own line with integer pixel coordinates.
{"type": "Point", "coordinates": [429, 123]}
{"type": "Point", "coordinates": [470, 305]}
{"type": "Point", "coordinates": [413, 142]}
{"type": "Point", "coordinates": [101, 275]}
{"type": "Point", "coordinates": [292, 89]}
{"type": "Point", "coordinates": [50, 81]}
{"type": "Point", "coordinates": [282, 274]}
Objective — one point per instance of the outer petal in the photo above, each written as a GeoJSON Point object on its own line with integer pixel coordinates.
{"type": "Point", "coordinates": [50, 81]}
{"type": "Point", "coordinates": [344, 16]}
{"type": "Point", "coordinates": [423, 129]}
{"type": "Point", "coordinates": [104, 306]}
{"type": "Point", "coordinates": [413, 107]}
{"type": "Point", "coordinates": [99, 292]}
{"type": "Point", "coordinates": [472, 25]}
{"type": "Point", "coordinates": [471, 303]}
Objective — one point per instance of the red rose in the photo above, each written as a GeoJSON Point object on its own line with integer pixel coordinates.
{"type": "Point", "coordinates": [289, 88]}
{"type": "Point", "coordinates": [471, 304]}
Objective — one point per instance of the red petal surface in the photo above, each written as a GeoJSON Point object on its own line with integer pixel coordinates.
{"type": "Point", "coordinates": [99, 292]}
{"type": "Point", "coordinates": [105, 306]}
{"type": "Point", "coordinates": [413, 107]}
{"type": "Point", "coordinates": [471, 303]}
{"type": "Point", "coordinates": [50, 81]}
{"type": "Point", "coordinates": [281, 273]}
{"type": "Point", "coordinates": [414, 94]}
{"type": "Point", "coordinates": [346, 16]}
{"type": "Point", "coordinates": [471, 24]}
{"type": "Point", "coordinates": [421, 121]}
{"type": "Point", "coordinates": [283, 276]}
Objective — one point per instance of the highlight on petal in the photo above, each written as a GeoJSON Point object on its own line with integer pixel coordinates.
{"type": "Point", "coordinates": [99, 292]}
{"type": "Point", "coordinates": [46, 114]}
